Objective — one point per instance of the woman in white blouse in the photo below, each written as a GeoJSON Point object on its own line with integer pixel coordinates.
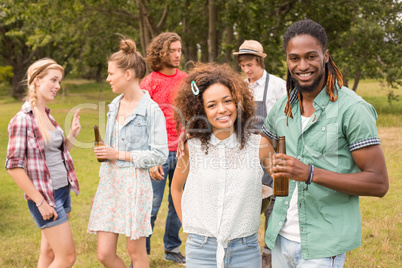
{"type": "Point", "coordinates": [221, 169]}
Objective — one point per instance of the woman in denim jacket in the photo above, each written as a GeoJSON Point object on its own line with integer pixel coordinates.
{"type": "Point", "coordinates": [136, 140]}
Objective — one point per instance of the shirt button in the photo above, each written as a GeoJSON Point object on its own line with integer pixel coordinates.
{"type": "Point", "coordinates": [299, 205]}
{"type": "Point", "coordinates": [138, 123]}
{"type": "Point", "coordinates": [323, 128]}
{"type": "Point", "coordinates": [299, 157]}
{"type": "Point", "coordinates": [286, 202]}
{"type": "Point", "coordinates": [280, 224]}
{"type": "Point", "coordinates": [122, 139]}
{"type": "Point", "coordinates": [302, 229]}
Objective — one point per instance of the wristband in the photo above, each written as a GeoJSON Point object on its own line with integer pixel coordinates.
{"type": "Point", "coordinates": [40, 203]}
{"type": "Point", "coordinates": [310, 176]}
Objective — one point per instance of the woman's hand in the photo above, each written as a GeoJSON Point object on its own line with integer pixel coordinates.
{"type": "Point", "coordinates": [75, 125]}
{"type": "Point", "coordinates": [74, 130]}
{"type": "Point", "coordinates": [106, 152]}
{"type": "Point", "coordinates": [156, 173]}
{"type": "Point", "coordinates": [47, 211]}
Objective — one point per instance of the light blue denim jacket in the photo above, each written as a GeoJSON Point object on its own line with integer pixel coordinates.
{"type": "Point", "coordinates": [143, 134]}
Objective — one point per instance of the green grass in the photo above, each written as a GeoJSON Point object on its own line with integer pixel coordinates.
{"type": "Point", "coordinates": [381, 218]}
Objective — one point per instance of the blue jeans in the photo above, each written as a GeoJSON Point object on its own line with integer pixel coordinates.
{"type": "Point", "coordinates": [171, 239]}
{"type": "Point", "coordinates": [287, 253]}
{"type": "Point", "coordinates": [240, 252]}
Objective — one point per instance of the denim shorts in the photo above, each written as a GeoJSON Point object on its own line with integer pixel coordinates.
{"type": "Point", "coordinates": [240, 252]}
{"type": "Point", "coordinates": [62, 200]}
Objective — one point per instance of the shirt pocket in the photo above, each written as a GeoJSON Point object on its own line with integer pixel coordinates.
{"type": "Point", "coordinates": [31, 140]}
{"type": "Point", "coordinates": [137, 132]}
{"type": "Point", "coordinates": [323, 143]}
{"type": "Point", "coordinates": [196, 241]}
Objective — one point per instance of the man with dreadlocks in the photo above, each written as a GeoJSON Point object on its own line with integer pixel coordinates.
{"type": "Point", "coordinates": [334, 156]}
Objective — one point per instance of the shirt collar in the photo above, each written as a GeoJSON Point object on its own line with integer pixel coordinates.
{"type": "Point", "coordinates": [26, 108]}
{"type": "Point", "coordinates": [321, 100]}
{"type": "Point", "coordinates": [260, 81]}
{"type": "Point", "coordinates": [141, 108]}
{"type": "Point", "coordinates": [229, 142]}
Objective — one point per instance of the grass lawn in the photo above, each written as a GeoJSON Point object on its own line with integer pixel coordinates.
{"type": "Point", "coordinates": [381, 218]}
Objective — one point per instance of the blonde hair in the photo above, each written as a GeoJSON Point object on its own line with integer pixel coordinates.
{"type": "Point", "coordinates": [39, 69]}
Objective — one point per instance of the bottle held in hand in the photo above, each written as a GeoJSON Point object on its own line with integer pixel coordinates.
{"type": "Point", "coordinates": [281, 184]}
{"type": "Point", "coordinates": [98, 141]}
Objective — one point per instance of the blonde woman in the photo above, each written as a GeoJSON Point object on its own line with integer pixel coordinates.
{"type": "Point", "coordinates": [39, 161]}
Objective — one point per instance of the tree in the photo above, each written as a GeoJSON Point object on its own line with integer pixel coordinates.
{"type": "Point", "coordinates": [364, 36]}
{"type": "Point", "coordinates": [14, 28]}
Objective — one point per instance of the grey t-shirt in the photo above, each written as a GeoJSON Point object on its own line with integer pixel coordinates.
{"type": "Point", "coordinates": [54, 160]}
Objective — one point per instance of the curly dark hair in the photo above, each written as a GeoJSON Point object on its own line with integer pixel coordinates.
{"type": "Point", "coordinates": [158, 49]}
{"type": "Point", "coordinates": [190, 113]}
{"type": "Point", "coordinates": [333, 75]}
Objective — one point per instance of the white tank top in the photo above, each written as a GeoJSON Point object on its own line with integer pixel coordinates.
{"type": "Point", "coordinates": [290, 229]}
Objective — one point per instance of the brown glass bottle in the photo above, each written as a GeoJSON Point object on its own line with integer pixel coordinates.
{"type": "Point", "coordinates": [98, 141]}
{"type": "Point", "coordinates": [281, 184]}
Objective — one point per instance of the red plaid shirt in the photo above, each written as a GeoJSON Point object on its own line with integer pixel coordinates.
{"type": "Point", "coordinates": [26, 149]}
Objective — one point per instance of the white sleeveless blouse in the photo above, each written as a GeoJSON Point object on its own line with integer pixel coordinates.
{"type": "Point", "coordinates": [223, 191]}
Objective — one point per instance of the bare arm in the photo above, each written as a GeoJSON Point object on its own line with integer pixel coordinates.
{"type": "Point", "coordinates": [274, 143]}
{"type": "Point", "coordinates": [266, 153]}
{"type": "Point", "coordinates": [22, 180]}
{"type": "Point", "coordinates": [371, 181]}
{"type": "Point", "coordinates": [179, 178]}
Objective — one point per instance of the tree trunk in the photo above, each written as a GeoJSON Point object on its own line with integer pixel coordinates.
{"type": "Point", "coordinates": [143, 31]}
{"type": "Point", "coordinates": [345, 82]}
{"type": "Point", "coordinates": [240, 40]}
{"type": "Point", "coordinates": [188, 43]}
{"type": "Point", "coordinates": [229, 42]}
{"type": "Point", "coordinates": [98, 75]}
{"type": "Point", "coordinates": [19, 88]}
{"type": "Point", "coordinates": [357, 79]}
{"type": "Point", "coordinates": [203, 39]}
{"type": "Point", "coordinates": [212, 33]}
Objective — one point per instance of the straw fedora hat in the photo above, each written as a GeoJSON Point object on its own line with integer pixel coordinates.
{"type": "Point", "coordinates": [251, 47]}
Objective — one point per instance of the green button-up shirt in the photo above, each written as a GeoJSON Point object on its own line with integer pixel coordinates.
{"type": "Point", "coordinates": [329, 221]}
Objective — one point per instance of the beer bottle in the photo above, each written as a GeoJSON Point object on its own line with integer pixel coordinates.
{"type": "Point", "coordinates": [98, 141]}
{"type": "Point", "coordinates": [281, 184]}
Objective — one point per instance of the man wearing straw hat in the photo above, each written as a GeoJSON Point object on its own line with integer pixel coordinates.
{"type": "Point", "coordinates": [267, 89]}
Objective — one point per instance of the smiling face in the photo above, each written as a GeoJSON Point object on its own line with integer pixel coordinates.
{"type": "Point", "coordinates": [174, 56]}
{"type": "Point", "coordinates": [47, 86]}
{"type": "Point", "coordinates": [116, 77]}
{"type": "Point", "coordinates": [220, 110]}
{"type": "Point", "coordinates": [306, 60]}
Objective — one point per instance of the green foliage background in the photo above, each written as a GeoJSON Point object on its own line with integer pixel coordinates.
{"type": "Point", "coordinates": [364, 35]}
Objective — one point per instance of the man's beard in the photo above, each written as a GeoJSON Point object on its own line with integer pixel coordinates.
{"type": "Point", "coordinates": [309, 88]}
{"type": "Point", "coordinates": [169, 65]}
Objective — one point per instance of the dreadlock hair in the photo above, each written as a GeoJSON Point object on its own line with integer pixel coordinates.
{"type": "Point", "coordinates": [332, 74]}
